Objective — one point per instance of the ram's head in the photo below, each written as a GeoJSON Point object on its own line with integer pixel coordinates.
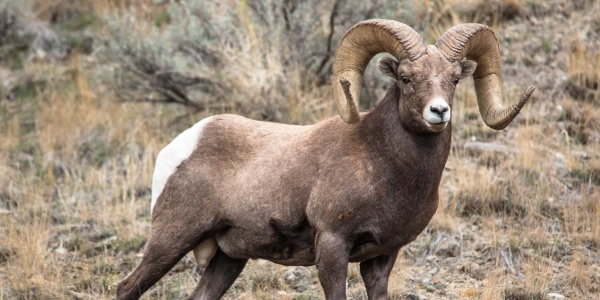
{"type": "Point", "coordinates": [426, 74]}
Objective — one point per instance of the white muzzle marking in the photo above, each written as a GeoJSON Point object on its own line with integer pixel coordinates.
{"type": "Point", "coordinates": [437, 111]}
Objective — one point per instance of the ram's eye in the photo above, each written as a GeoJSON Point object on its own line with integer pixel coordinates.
{"type": "Point", "coordinates": [455, 80]}
{"type": "Point", "coordinates": [405, 79]}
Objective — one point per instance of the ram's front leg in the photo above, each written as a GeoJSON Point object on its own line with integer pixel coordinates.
{"type": "Point", "coordinates": [332, 262]}
{"type": "Point", "coordinates": [375, 273]}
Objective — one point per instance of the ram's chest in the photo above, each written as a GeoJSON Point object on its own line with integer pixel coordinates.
{"type": "Point", "coordinates": [386, 221]}
{"type": "Point", "coordinates": [391, 233]}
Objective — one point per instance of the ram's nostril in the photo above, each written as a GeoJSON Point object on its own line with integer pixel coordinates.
{"type": "Point", "coordinates": [439, 109]}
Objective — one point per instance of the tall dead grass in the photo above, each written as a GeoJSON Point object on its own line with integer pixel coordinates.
{"type": "Point", "coordinates": [72, 202]}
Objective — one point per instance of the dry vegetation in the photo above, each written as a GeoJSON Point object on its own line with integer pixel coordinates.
{"type": "Point", "coordinates": [519, 216]}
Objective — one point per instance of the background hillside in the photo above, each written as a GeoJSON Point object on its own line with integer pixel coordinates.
{"type": "Point", "coordinates": [90, 91]}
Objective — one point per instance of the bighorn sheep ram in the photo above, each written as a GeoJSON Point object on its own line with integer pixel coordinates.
{"type": "Point", "coordinates": [232, 189]}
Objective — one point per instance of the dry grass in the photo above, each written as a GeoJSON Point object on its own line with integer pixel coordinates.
{"type": "Point", "coordinates": [76, 166]}
{"type": "Point", "coordinates": [70, 189]}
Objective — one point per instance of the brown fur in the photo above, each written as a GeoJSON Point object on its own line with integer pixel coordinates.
{"type": "Point", "coordinates": [324, 194]}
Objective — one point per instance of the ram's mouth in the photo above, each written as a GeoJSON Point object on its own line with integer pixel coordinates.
{"type": "Point", "coordinates": [439, 126]}
{"type": "Point", "coordinates": [436, 122]}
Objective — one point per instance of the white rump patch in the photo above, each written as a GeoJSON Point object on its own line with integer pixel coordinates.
{"type": "Point", "coordinates": [173, 155]}
{"type": "Point", "coordinates": [433, 117]}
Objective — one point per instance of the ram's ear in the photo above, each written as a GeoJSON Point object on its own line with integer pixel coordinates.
{"type": "Point", "coordinates": [388, 66]}
{"type": "Point", "coordinates": [467, 68]}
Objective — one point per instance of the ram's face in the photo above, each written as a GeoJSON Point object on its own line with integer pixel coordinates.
{"type": "Point", "coordinates": [427, 88]}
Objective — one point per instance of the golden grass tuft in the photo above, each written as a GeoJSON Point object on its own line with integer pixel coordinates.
{"type": "Point", "coordinates": [28, 270]}
{"type": "Point", "coordinates": [584, 71]}
{"type": "Point", "coordinates": [10, 134]}
{"type": "Point", "coordinates": [480, 190]}
{"type": "Point", "coordinates": [538, 276]}
{"type": "Point", "coordinates": [492, 288]}
{"type": "Point", "coordinates": [578, 275]}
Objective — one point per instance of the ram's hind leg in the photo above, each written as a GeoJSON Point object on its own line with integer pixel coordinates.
{"type": "Point", "coordinates": [218, 276]}
{"type": "Point", "coordinates": [165, 247]}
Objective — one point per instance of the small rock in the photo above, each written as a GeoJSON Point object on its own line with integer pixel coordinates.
{"type": "Point", "coordinates": [39, 55]}
{"type": "Point", "coordinates": [426, 281]}
{"type": "Point", "coordinates": [286, 295]}
{"type": "Point", "coordinates": [556, 296]}
{"type": "Point", "coordinates": [296, 278]}
{"type": "Point", "coordinates": [449, 250]}
{"type": "Point", "coordinates": [412, 297]}
{"type": "Point", "coordinates": [433, 271]}
{"type": "Point", "coordinates": [477, 148]}
{"type": "Point", "coordinates": [61, 250]}
{"type": "Point", "coordinates": [474, 270]}
{"type": "Point", "coordinates": [78, 295]}
{"type": "Point", "coordinates": [292, 275]}
{"type": "Point", "coordinates": [105, 242]}
{"type": "Point", "coordinates": [430, 288]}
{"type": "Point", "coordinates": [478, 275]}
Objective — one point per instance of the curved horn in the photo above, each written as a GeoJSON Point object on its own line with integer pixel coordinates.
{"type": "Point", "coordinates": [477, 42]}
{"type": "Point", "coordinates": [363, 41]}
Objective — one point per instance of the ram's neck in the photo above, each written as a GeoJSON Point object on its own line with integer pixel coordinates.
{"type": "Point", "coordinates": [387, 138]}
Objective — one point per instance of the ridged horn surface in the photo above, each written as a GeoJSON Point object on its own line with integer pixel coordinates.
{"type": "Point", "coordinates": [363, 41]}
{"type": "Point", "coordinates": [478, 43]}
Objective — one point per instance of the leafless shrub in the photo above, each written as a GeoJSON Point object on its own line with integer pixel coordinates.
{"type": "Point", "coordinates": [261, 58]}
{"type": "Point", "coordinates": [25, 36]}
{"type": "Point", "coordinates": [11, 35]}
